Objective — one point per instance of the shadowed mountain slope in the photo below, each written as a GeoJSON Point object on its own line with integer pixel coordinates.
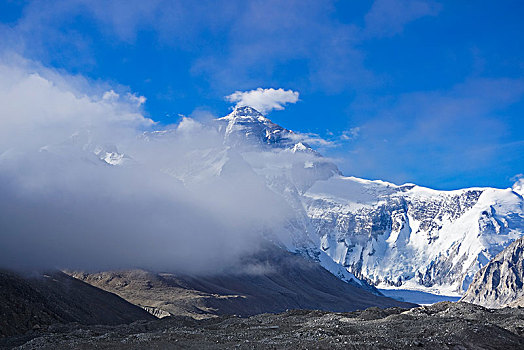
{"type": "Point", "coordinates": [272, 281]}
{"type": "Point", "coordinates": [39, 300]}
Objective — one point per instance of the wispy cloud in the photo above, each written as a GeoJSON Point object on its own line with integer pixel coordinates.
{"type": "Point", "coordinates": [459, 130]}
{"type": "Point", "coordinates": [252, 39]}
{"type": "Point", "coordinates": [264, 100]}
{"type": "Point", "coordinates": [388, 17]}
{"type": "Point", "coordinates": [518, 186]}
{"type": "Point", "coordinates": [312, 139]}
{"type": "Point", "coordinates": [350, 134]}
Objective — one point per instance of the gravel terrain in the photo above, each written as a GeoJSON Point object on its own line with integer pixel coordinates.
{"type": "Point", "coordinates": [444, 325]}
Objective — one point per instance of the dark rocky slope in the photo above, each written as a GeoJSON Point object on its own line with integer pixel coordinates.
{"type": "Point", "coordinates": [441, 326]}
{"type": "Point", "coordinates": [272, 281]}
{"type": "Point", "coordinates": [39, 300]}
{"type": "Point", "coordinates": [500, 282]}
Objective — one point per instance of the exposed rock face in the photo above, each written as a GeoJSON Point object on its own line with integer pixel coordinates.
{"type": "Point", "coordinates": [500, 282]}
{"type": "Point", "coordinates": [519, 302]}
{"type": "Point", "coordinates": [40, 300]}
{"type": "Point", "coordinates": [440, 326]}
{"type": "Point", "coordinates": [272, 281]}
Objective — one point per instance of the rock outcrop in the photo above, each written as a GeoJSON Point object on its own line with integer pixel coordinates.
{"type": "Point", "coordinates": [500, 282]}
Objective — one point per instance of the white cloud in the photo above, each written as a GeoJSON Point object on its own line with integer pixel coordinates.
{"type": "Point", "coordinates": [311, 139]}
{"type": "Point", "coordinates": [131, 98]}
{"type": "Point", "coordinates": [518, 186]}
{"type": "Point", "coordinates": [110, 95]}
{"type": "Point", "coordinates": [264, 100]}
{"type": "Point", "coordinates": [350, 134]}
{"type": "Point", "coordinates": [136, 99]}
{"type": "Point", "coordinates": [58, 107]}
{"type": "Point", "coordinates": [141, 214]}
{"type": "Point", "coordinates": [188, 125]}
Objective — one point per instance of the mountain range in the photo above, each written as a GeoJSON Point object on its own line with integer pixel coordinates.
{"type": "Point", "coordinates": [387, 235]}
{"type": "Point", "coordinates": [337, 242]}
{"type": "Point", "coordinates": [273, 281]}
{"type": "Point", "coordinates": [369, 232]}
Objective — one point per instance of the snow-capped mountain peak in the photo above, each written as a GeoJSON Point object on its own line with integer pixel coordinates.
{"type": "Point", "coordinates": [410, 236]}
{"type": "Point", "coordinates": [391, 236]}
{"type": "Point", "coordinates": [387, 235]}
{"type": "Point", "coordinates": [246, 127]}
{"type": "Point", "coordinates": [244, 112]}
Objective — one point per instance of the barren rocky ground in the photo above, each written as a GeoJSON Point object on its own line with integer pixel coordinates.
{"type": "Point", "coordinates": [444, 325]}
{"type": "Point", "coordinates": [277, 281]}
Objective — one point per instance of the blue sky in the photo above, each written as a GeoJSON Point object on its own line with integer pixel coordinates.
{"type": "Point", "coordinates": [426, 92]}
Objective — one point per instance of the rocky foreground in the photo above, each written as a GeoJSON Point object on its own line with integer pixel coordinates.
{"type": "Point", "coordinates": [444, 325]}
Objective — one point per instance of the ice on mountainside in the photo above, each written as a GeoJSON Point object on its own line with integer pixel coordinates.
{"type": "Point", "coordinates": [110, 154]}
{"type": "Point", "coordinates": [245, 126]}
{"type": "Point", "coordinates": [278, 154]}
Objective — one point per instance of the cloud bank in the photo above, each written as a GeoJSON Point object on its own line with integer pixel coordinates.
{"type": "Point", "coordinates": [264, 100]}
{"type": "Point", "coordinates": [178, 200]}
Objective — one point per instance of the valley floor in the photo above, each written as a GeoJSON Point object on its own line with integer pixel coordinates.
{"type": "Point", "coordinates": [444, 325]}
{"type": "Point", "coordinates": [416, 296]}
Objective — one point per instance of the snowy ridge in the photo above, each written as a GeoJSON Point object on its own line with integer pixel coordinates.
{"type": "Point", "coordinates": [83, 145]}
{"type": "Point", "coordinates": [413, 237]}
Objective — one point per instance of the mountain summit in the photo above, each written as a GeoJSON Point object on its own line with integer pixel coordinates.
{"type": "Point", "coordinates": [245, 126]}
{"type": "Point", "coordinates": [245, 112]}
